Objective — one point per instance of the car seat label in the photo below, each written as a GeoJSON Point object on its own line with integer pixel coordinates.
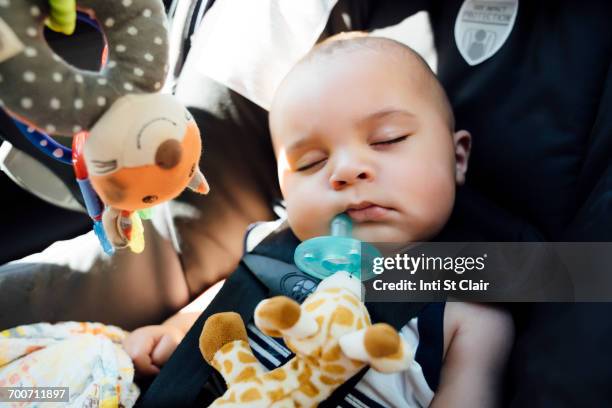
{"type": "Point", "coordinates": [482, 27]}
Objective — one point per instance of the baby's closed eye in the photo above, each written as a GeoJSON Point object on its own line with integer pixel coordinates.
{"type": "Point", "coordinates": [389, 141]}
{"type": "Point", "coordinates": [310, 160]}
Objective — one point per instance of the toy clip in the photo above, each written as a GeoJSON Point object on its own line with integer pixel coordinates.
{"type": "Point", "coordinates": [93, 204]}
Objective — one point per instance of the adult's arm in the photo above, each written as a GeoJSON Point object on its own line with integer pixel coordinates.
{"type": "Point", "coordinates": [74, 280]}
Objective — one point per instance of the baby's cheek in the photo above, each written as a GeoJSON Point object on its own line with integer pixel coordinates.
{"type": "Point", "coordinates": [433, 193]}
{"type": "Point", "coordinates": [442, 197]}
{"type": "Point", "coordinates": [306, 218]}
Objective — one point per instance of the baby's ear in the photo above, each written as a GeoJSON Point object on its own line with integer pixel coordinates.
{"type": "Point", "coordinates": [463, 144]}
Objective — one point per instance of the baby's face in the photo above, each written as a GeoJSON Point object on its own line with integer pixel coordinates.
{"type": "Point", "coordinates": [360, 136]}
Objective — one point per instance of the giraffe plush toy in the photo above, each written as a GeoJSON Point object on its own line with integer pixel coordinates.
{"type": "Point", "coordinates": [330, 333]}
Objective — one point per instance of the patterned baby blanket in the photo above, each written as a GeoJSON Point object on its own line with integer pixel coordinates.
{"type": "Point", "coordinates": [85, 357]}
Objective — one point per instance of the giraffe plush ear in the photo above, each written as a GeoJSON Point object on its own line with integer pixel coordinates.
{"type": "Point", "coordinates": [379, 345]}
{"type": "Point", "coordinates": [282, 316]}
{"type": "Point", "coordinates": [198, 183]}
{"type": "Point", "coordinates": [219, 330]}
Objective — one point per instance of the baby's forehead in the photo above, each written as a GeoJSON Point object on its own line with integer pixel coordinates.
{"type": "Point", "coordinates": [331, 69]}
{"type": "Point", "coordinates": [346, 58]}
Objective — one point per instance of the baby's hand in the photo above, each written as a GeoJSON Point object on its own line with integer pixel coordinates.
{"type": "Point", "coordinates": [150, 347]}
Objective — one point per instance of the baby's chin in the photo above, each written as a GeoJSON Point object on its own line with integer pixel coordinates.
{"type": "Point", "coordinates": [373, 232]}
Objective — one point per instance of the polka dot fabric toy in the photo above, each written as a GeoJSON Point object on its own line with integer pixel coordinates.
{"type": "Point", "coordinates": [139, 147]}
{"type": "Point", "coordinates": [61, 99]}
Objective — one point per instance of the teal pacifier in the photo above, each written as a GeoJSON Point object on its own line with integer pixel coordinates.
{"type": "Point", "coordinates": [321, 257]}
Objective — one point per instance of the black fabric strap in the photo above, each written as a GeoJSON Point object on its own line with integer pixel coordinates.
{"type": "Point", "coordinates": [180, 382]}
{"type": "Point", "coordinates": [431, 342]}
{"type": "Point", "coordinates": [279, 276]}
{"type": "Point", "coordinates": [187, 380]}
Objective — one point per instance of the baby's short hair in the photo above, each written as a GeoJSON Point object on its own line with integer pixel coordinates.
{"type": "Point", "coordinates": [359, 40]}
{"type": "Point", "coordinates": [354, 41]}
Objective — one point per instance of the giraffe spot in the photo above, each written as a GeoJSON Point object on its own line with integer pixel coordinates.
{"type": "Point", "coordinates": [276, 395]}
{"type": "Point", "coordinates": [246, 374]}
{"type": "Point", "coordinates": [332, 354]}
{"type": "Point", "coordinates": [295, 364]}
{"type": "Point", "coordinates": [277, 375]}
{"type": "Point", "coordinates": [319, 320]}
{"type": "Point", "coordinates": [360, 324]}
{"type": "Point", "coordinates": [351, 299]}
{"type": "Point", "coordinates": [343, 316]}
{"type": "Point", "coordinates": [228, 400]}
{"type": "Point", "coordinates": [311, 306]}
{"type": "Point", "coordinates": [311, 360]}
{"type": "Point", "coordinates": [244, 357]}
{"type": "Point", "coordinates": [304, 376]}
{"type": "Point", "coordinates": [334, 369]}
{"type": "Point", "coordinates": [309, 389]}
{"type": "Point", "coordinates": [357, 363]}
{"type": "Point", "coordinates": [227, 366]}
{"type": "Point", "coordinates": [227, 348]}
{"type": "Point", "coordinates": [290, 345]}
{"type": "Point", "coordinates": [332, 290]}
{"type": "Point", "coordinates": [330, 381]}
{"type": "Point", "coordinates": [252, 394]}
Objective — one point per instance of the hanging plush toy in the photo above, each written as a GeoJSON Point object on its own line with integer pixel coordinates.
{"type": "Point", "coordinates": [330, 333]}
{"type": "Point", "coordinates": [136, 147]}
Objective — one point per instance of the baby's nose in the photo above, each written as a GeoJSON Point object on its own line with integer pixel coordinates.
{"type": "Point", "coordinates": [349, 174]}
{"type": "Point", "coordinates": [168, 154]}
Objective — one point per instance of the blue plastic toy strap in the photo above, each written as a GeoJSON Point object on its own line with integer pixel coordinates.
{"type": "Point", "coordinates": [45, 143]}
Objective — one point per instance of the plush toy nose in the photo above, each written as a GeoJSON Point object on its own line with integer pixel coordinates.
{"type": "Point", "coordinates": [168, 154]}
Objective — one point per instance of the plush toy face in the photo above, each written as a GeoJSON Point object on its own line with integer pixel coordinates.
{"type": "Point", "coordinates": [133, 188]}
{"type": "Point", "coordinates": [143, 151]}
